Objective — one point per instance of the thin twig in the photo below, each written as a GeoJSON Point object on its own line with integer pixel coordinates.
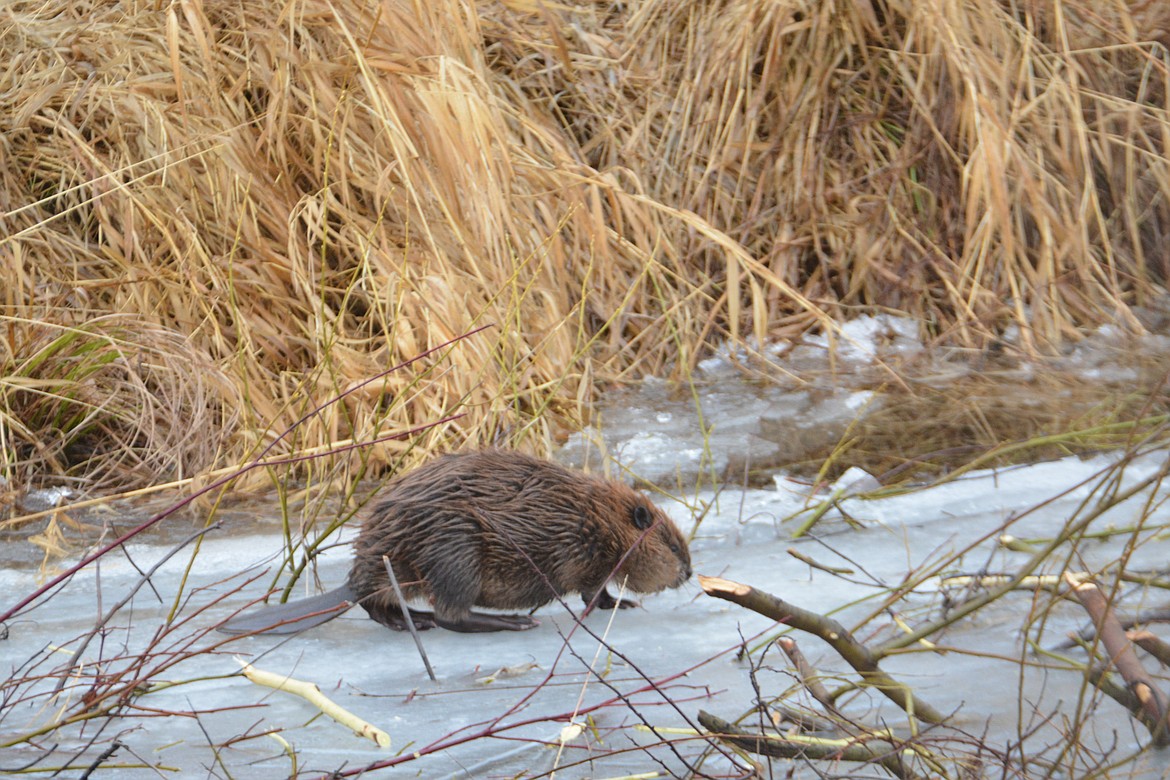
{"type": "Point", "coordinates": [78, 655]}
{"type": "Point", "coordinates": [97, 762]}
{"type": "Point", "coordinates": [406, 616]}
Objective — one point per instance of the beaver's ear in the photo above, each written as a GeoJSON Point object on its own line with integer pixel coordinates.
{"type": "Point", "coordinates": [641, 517]}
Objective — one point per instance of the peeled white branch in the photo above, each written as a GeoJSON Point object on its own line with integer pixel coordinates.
{"type": "Point", "coordinates": [312, 694]}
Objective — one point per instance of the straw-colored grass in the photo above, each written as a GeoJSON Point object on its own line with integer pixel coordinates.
{"type": "Point", "coordinates": [928, 432]}
{"type": "Point", "coordinates": [110, 399]}
{"type": "Point", "coordinates": [295, 196]}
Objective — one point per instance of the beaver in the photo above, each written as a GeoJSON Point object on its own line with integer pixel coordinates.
{"type": "Point", "coordinates": [495, 529]}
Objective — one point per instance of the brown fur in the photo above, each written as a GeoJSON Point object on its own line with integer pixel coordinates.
{"type": "Point", "coordinates": [504, 530]}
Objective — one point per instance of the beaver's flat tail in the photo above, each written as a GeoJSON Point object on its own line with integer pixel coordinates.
{"type": "Point", "coordinates": [295, 616]}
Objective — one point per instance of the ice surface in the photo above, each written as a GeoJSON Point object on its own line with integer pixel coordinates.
{"type": "Point", "coordinates": [747, 411]}
{"type": "Point", "coordinates": [377, 674]}
{"type": "Point", "coordinates": [865, 544]}
{"type": "Point", "coordinates": [865, 338]}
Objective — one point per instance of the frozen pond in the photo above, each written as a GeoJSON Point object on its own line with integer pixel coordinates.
{"type": "Point", "coordinates": [633, 680]}
{"type": "Point", "coordinates": [212, 721]}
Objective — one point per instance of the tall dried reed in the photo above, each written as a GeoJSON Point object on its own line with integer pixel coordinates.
{"type": "Point", "coordinates": [302, 193]}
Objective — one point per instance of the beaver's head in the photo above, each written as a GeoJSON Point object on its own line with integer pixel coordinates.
{"type": "Point", "coordinates": [658, 557]}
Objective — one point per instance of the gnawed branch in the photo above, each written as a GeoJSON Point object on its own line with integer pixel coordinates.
{"type": "Point", "coordinates": [312, 694]}
{"type": "Point", "coordinates": [1153, 711]}
{"type": "Point", "coordinates": [855, 654]}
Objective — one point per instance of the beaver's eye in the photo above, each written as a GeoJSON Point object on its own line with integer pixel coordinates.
{"type": "Point", "coordinates": [641, 517]}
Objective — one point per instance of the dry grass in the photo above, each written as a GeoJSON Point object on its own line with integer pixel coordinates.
{"type": "Point", "coordinates": [108, 399]}
{"type": "Point", "coordinates": [296, 196]}
{"type": "Point", "coordinates": [923, 431]}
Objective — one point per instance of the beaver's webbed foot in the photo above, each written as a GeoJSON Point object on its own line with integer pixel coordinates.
{"type": "Point", "coordinates": [391, 617]}
{"type": "Point", "coordinates": [606, 601]}
{"type": "Point", "coordinates": [478, 622]}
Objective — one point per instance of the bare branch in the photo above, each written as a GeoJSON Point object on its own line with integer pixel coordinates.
{"type": "Point", "coordinates": [855, 654]}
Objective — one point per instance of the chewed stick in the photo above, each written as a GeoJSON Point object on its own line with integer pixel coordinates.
{"type": "Point", "coordinates": [1154, 705]}
{"type": "Point", "coordinates": [312, 694]}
